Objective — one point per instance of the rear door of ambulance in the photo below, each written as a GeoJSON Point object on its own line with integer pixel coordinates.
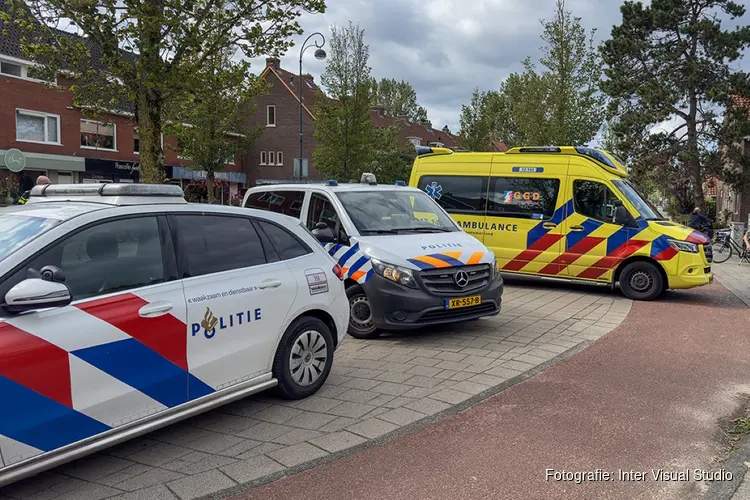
{"type": "Point", "coordinates": [458, 182]}
{"type": "Point", "coordinates": [526, 209]}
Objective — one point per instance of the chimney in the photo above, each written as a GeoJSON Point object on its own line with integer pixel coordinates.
{"type": "Point", "coordinates": [273, 62]}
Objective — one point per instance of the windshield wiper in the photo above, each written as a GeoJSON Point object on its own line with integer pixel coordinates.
{"type": "Point", "coordinates": [379, 231]}
{"type": "Point", "coordinates": [425, 228]}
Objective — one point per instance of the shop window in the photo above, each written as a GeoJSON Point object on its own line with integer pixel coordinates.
{"type": "Point", "coordinates": [33, 126]}
{"type": "Point", "coordinates": [98, 135]}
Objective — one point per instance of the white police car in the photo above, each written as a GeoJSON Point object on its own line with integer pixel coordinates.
{"type": "Point", "coordinates": [406, 262]}
{"type": "Point", "coordinates": [123, 309]}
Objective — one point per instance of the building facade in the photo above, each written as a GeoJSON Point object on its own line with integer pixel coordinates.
{"type": "Point", "coordinates": [44, 132]}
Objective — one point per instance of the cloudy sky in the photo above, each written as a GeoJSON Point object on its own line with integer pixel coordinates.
{"type": "Point", "coordinates": [446, 48]}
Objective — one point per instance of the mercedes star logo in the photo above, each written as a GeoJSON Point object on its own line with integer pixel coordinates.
{"type": "Point", "coordinates": [461, 278]}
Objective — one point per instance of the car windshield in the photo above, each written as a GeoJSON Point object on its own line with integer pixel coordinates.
{"type": "Point", "coordinates": [17, 230]}
{"type": "Point", "coordinates": [395, 212]}
{"type": "Point", "coordinates": [645, 209]}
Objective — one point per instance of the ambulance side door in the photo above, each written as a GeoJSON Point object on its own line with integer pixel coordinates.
{"type": "Point", "coordinates": [525, 212]}
{"type": "Point", "coordinates": [461, 190]}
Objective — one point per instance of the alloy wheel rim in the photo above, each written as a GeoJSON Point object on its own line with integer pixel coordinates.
{"type": "Point", "coordinates": [308, 358]}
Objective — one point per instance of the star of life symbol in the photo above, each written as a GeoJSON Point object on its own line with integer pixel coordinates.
{"type": "Point", "coordinates": [434, 190]}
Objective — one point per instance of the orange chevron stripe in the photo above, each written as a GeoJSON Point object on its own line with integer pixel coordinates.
{"type": "Point", "coordinates": [358, 274]}
{"type": "Point", "coordinates": [452, 255]}
{"type": "Point", "coordinates": [344, 270]}
{"type": "Point", "coordinates": [432, 261]}
{"type": "Point", "coordinates": [475, 258]}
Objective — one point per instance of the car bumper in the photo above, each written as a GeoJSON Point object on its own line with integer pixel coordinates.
{"type": "Point", "coordinates": [692, 271]}
{"type": "Point", "coordinates": [395, 307]}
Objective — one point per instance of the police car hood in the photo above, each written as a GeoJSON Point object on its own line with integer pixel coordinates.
{"type": "Point", "coordinates": [678, 232]}
{"type": "Point", "coordinates": [426, 250]}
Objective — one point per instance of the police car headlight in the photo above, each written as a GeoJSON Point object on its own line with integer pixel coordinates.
{"type": "Point", "coordinates": [683, 246]}
{"type": "Point", "coordinates": [495, 269]}
{"type": "Point", "coordinates": [400, 275]}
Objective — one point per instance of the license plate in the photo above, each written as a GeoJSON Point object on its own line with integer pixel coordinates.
{"type": "Point", "coordinates": [474, 300]}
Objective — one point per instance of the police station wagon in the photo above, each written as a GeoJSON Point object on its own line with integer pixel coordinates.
{"type": "Point", "coordinates": [123, 309]}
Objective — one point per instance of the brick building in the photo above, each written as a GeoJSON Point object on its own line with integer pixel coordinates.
{"type": "Point", "coordinates": [271, 158]}
{"type": "Point", "coordinates": [736, 204]}
{"type": "Point", "coordinates": [43, 127]}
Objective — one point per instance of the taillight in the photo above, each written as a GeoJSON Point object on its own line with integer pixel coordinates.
{"type": "Point", "coordinates": [338, 272]}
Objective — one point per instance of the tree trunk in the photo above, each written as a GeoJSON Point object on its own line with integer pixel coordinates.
{"type": "Point", "coordinates": [210, 186]}
{"type": "Point", "coordinates": [149, 129]}
{"type": "Point", "coordinates": [694, 164]}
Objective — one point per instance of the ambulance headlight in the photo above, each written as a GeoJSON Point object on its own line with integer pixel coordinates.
{"type": "Point", "coordinates": [683, 246]}
{"type": "Point", "coordinates": [400, 275]}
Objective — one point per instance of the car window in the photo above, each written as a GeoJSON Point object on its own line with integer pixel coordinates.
{"type": "Point", "coordinates": [17, 230]}
{"type": "Point", "coordinates": [594, 199]}
{"type": "Point", "coordinates": [108, 257]}
{"type": "Point", "coordinates": [457, 194]}
{"type": "Point", "coordinates": [321, 210]}
{"type": "Point", "coordinates": [282, 202]}
{"type": "Point", "coordinates": [213, 243]}
{"type": "Point", "coordinates": [287, 246]}
{"type": "Point", "coordinates": [522, 197]}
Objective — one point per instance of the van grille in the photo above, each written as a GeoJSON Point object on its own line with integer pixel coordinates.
{"type": "Point", "coordinates": [442, 281]}
{"type": "Point", "coordinates": [709, 251]}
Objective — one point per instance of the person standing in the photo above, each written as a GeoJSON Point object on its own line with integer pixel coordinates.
{"type": "Point", "coordinates": [41, 180]}
{"type": "Point", "coordinates": [701, 223]}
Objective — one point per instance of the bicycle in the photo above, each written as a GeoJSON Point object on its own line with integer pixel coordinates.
{"type": "Point", "coordinates": [723, 247]}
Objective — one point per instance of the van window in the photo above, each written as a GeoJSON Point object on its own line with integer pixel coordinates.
{"type": "Point", "coordinates": [282, 202]}
{"type": "Point", "coordinates": [594, 199]}
{"type": "Point", "coordinates": [457, 194]}
{"type": "Point", "coordinates": [522, 197]}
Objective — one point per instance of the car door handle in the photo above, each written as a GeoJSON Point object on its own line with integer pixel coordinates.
{"type": "Point", "coordinates": [155, 309]}
{"type": "Point", "coordinates": [576, 228]}
{"type": "Point", "coordinates": [549, 225]}
{"type": "Point", "coordinates": [269, 284]}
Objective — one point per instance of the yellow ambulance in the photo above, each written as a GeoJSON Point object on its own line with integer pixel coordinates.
{"type": "Point", "coordinates": [565, 212]}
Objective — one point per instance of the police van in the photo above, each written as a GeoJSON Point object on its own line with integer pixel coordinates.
{"type": "Point", "coordinates": [565, 212]}
{"type": "Point", "coordinates": [123, 308]}
{"type": "Point", "coordinates": [406, 263]}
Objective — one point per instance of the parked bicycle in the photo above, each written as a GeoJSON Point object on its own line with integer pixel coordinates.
{"type": "Point", "coordinates": [723, 247]}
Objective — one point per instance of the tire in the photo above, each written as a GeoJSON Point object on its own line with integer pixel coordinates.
{"type": "Point", "coordinates": [360, 314]}
{"type": "Point", "coordinates": [641, 281]}
{"type": "Point", "coordinates": [721, 251]}
{"type": "Point", "coordinates": [303, 359]}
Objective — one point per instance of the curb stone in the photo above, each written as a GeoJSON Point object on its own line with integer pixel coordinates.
{"type": "Point", "coordinates": [725, 490]}
{"type": "Point", "coordinates": [241, 488]}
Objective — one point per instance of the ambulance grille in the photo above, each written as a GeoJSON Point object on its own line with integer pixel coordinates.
{"type": "Point", "coordinates": [708, 249]}
{"type": "Point", "coordinates": [442, 281]}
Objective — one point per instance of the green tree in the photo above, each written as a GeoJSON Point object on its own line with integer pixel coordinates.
{"type": "Point", "coordinates": [343, 125]}
{"type": "Point", "coordinates": [391, 159]}
{"type": "Point", "coordinates": [521, 113]}
{"type": "Point", "coordinates": [398, 98]}
{"type": "Point", "coordinates": [211, 125]}
{"type": "Point", "coordinates": [669, 63]}
{"type": "Point", "coordinates": [173, 40]}
{"type": "Point", "coordinates": [477, 121]}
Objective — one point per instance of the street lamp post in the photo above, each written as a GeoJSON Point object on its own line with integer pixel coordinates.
{"type": "Point", "coordinates": [319, 54]}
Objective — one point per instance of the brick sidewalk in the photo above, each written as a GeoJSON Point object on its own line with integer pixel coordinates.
{"type": "Point", "coordinates": [376, 387]}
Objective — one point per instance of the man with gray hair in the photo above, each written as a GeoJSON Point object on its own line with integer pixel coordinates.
{"type": "Point", "coordinates": [41, 180]}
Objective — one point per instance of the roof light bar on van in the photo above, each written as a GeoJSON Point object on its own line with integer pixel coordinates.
{"type": "Point", "coordinates": [427, 150]}
{"type": "Point", "coordinates": [332, 182]}
{"type": "Point", "coordinates": [400, 183]}
{"type": "Point", "coordinates": [596, 154]}
{"type": "Point", "coordinates": [108, 189]}
{"type": "Point", "coordinates": [542, 149]}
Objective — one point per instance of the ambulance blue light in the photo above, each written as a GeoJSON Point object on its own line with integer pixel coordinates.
{"type": "Point", "coordinates": [595, 154]}
{"type": "Point", "coordinates": [331, 182]}
{"type": "Point", "coordinates": [423, 150]}
{"type": "Point", "coordinates": [400, 183]}
{"type": "Point", "coordinates": [546, 149]}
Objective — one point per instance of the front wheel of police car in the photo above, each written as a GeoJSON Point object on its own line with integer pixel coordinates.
{"type": "Point", "coordinates": [361, 325]}
{"type": "Point", "coordinates": [303, 359]}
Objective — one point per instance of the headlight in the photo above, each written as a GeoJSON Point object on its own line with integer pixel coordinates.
{"type": "Point", "coordinates": [495, 269]}
{"type": "Point", "coordinates": [397, 274]}
{"type": "Point", "coordinates": [683, 246]}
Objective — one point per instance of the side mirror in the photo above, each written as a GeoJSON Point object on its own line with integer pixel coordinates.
{"type": "Point", "coordinates": [36, 293]}
{"type": "Point", "coordinates": [623, 217]}
{"type": "Point", "coordinates": [323, 233]}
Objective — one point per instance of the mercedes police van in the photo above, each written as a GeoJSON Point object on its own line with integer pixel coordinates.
{"type": "Point", "coordinates": [406, 262]}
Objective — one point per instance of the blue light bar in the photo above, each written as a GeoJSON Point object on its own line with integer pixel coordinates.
{"type": "Point", "coordinates": [331, 182]}
{"type": "Point", "coordinates": [546, 149]}
{"type": "Point", "coordinates": [595, 154]}
{"type": "Point", "coordinates": [423, 150]}
{"type": "Point", "coordinates": [400, 183]}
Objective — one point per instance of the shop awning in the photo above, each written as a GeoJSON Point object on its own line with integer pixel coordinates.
{"type": "Point", "coordinates": [40, 161]}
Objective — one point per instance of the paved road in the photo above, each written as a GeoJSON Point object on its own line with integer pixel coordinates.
{"type": "Point", "coordinates": [646, 396]}
{"type": "Point", "coordinates": [376, 387]}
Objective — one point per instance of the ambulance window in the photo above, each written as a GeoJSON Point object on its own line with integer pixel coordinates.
{"type": "Point", "coordinates": [457, 194]}
{"type": "Point", "coordinates": [282, 202]}
{"type": "Point", "coordinates": [522, 197]}
{"type": "Point", "coordinates": [594, 199]}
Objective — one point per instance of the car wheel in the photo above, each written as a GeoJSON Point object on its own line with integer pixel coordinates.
{"type": "Point", "coordinates": [303, 359]}
{"type": "Point", "coordinates": [360, 314]}
{"type": "Point", "coordinates": [641, 281]}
